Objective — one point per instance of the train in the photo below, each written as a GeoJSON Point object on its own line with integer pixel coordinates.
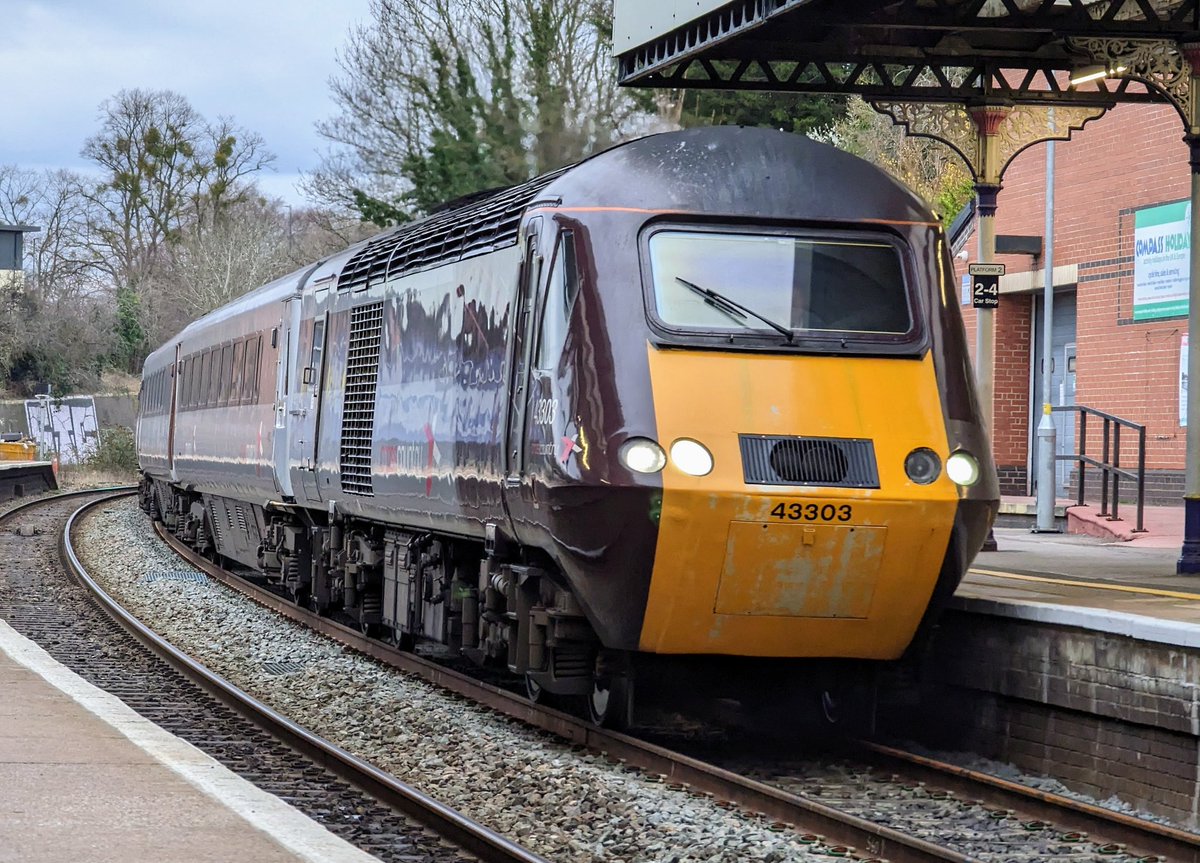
{"type": "Point", "coordinates": [702, 399]}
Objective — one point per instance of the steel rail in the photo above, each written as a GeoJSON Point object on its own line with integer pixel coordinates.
{"type": "Point", "coordinates": [112, 492]}
{"type": "Point", "coordinates": [1102, 825]}
{"type": "Point", "coordinates": [468, 834]}
{"type": "Point", "coordinates": [776, 804]}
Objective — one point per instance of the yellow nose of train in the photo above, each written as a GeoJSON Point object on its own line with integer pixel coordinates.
{"type": "Point", "coordinates": [793, 546]}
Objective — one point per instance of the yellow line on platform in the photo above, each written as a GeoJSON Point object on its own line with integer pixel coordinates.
{"type": "Point", "coordinates": [1099, 585]}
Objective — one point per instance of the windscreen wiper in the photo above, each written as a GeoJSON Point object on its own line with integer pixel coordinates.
{"type": "Point", "coordinates": [730, 307]}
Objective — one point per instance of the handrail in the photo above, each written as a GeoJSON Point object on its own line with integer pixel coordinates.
{"type": "Point", "coordinates": [1113, 469]}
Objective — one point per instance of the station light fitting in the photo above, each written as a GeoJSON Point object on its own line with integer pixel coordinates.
{"type": "Point", "coordinates": [1094, 72]}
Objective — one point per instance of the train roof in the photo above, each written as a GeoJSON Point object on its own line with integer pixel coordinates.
{"type": "Point", "coordinates": [734, 171]}
{"type": "Point", "coordinates": [742, 172]}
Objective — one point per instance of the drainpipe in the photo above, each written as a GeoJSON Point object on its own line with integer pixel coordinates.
{"type": "Point", "coordinates": [1046, 433]}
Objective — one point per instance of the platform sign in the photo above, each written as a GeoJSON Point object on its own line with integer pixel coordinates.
{"type": "Point", "coordinates": [985, 284]}
{"type": "Point", "coordinates": [1161, 240]}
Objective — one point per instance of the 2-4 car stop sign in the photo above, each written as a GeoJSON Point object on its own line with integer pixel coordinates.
{"type": "Point", "coordinates": [985, 284]}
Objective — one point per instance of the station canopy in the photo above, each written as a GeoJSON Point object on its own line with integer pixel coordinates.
{"type": "Point", "coordinates": [962, 51]}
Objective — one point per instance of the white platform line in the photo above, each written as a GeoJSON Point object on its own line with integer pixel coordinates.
{"type": "Point", "coordinates": [290, 828]}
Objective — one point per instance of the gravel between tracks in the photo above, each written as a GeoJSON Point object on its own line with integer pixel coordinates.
{"type": "Point", "coordinates": [564, 803]}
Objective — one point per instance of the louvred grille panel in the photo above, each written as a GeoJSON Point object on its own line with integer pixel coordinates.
{"type": "Point", "coordinates": [358, 405]}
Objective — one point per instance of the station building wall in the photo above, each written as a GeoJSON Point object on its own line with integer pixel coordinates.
{"type": "Point", "coordinates": [1131, 158]}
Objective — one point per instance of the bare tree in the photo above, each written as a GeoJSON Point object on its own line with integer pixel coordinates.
{"type": "Point", "coordinates": [166, 171]}
{"type": "Point", "coordinates": [246, 248]}
{"type": "Point", "coordinates": [440, 98]}
{"type": "Point", "coordinates": [58, 327]}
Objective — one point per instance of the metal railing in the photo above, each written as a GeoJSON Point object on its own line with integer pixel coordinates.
{"type": "Point", "coordinates": [1109, 462]}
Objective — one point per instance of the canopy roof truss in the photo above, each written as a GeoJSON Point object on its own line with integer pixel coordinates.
{"type": "Point", "coordinates": [963, 51]}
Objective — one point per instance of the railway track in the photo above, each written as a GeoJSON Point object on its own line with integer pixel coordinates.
{"type": "Point", "coordinates": [353, 799]}
{"type": "Point", "coordinates": [986, 818]}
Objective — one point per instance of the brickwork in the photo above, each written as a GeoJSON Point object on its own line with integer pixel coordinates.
{"type": "Point", "coordinates": [1013, 479]}
{"type": "Point", "coordinates": [1131, 158]}
{"type": "Point", "coordinates": [1104, 714]}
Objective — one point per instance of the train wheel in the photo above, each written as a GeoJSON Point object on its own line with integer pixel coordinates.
{"type": "Point", "coordinates": [611, 703]}
{"type": "Point", "coordinates": [533, 690]}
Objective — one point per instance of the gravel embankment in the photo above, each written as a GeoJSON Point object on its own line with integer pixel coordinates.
{"type": "Point", "coordinates": [568, 805]}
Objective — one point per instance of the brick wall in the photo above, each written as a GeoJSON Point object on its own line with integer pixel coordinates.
{"type": "Point", "coordinates": [1105, 714]}
{"type": "Point", "coordinates": [1131, 158]}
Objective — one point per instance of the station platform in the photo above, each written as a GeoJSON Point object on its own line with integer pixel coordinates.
{"type": "Point", "coordinates": [20, 478]}
{"type": "Point", "coordinates": [84, 777]}
{"type": "Point", "coordinates": [1101, 565]}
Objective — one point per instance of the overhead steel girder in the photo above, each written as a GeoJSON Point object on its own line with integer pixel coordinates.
{"type": "Point", "coordinates": [895, 79]}
{"type": "Point", "coordinates": [923, 50]}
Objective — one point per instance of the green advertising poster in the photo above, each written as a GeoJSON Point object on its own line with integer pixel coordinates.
{"type": "Point", "coordinates": [1161, 237]}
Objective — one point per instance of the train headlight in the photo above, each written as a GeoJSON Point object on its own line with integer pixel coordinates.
{"type": "Point", "coordinates": [922, 466]}
{"type": "Point", "coordinates": [642, 455]}
{"type": "Point", "coordinates": [691, 457]}
{"type": "Point", "coordinates": [963, 468]}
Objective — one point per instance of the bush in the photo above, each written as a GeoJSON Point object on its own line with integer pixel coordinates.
{"type": "Point", "coordinates": [117, 451]}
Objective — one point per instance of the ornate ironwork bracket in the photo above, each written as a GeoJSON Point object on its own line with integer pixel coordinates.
{"type": "Point", "coordinates": [1162, 64]}
{"type": "Point", "coordinates": [988, 137]}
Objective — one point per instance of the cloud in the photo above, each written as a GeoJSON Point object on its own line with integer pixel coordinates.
{"type": "Point", "coordinates": [266, 63]}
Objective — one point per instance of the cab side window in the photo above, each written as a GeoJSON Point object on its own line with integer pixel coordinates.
{"type": "Point", "coordinates": [561, 291]}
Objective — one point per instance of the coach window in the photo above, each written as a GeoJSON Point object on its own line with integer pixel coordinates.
{"type": "Point", "coordinates": [214, 394]}
{"type": "Point", "coordinates": [560, 297]}
{"type": "Point", "coordinates": [226, 374]}
{"type": "Point", "coordinates": [202, 365]}
{"type": "Point", "coordinates": [251, 381]}
{"type": "Point", "coordinates": [312, 375]}
{"type": "Point", "coordinates": [189, 381]}
{"type": "Point", "coordinates": [235, 388]}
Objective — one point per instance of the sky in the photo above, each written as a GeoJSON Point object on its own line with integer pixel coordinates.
{"type": "Point", "coordinates": [265, 63]}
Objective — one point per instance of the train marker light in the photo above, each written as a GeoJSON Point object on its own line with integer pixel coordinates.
{"type": "Point", "coordinates": [923, 466]}
{"type": "Point", "coordinates": [642, 455]}
{"type": "Point", "coordinates": [963, 468]}
{"type": "Point", "coordinates": [691, 457]}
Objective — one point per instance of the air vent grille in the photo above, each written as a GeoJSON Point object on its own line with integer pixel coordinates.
{"type": "Point", "coordinates": [358, 405]}
{"type": "Point", "coordinates": [472, 226]}
{"type": "Point", "coordinates": [215, 521]}
{"type": "Point", "coordinates": [826, 461]}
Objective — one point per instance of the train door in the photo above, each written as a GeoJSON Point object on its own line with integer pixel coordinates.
{"type": "Point", "coordinates": [284, 337]}
{"type": "Point", "coordinates": [552, 438]}
{"type": "Point", "coordinates": [305, 407]}
{"type": "Point", "coordinates": [176, 377]}
{"type": "Point", "coordinates": [519, 403]}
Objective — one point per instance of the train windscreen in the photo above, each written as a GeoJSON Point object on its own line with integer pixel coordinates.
{"type": "Point", "coordinates": [716, 281]}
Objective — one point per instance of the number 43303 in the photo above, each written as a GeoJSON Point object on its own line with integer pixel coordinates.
{"type": "Point", "coordinates": [813, 512]}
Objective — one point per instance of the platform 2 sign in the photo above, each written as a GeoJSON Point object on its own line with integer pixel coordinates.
{"type": "Point", "coordinates": [985, 284]}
